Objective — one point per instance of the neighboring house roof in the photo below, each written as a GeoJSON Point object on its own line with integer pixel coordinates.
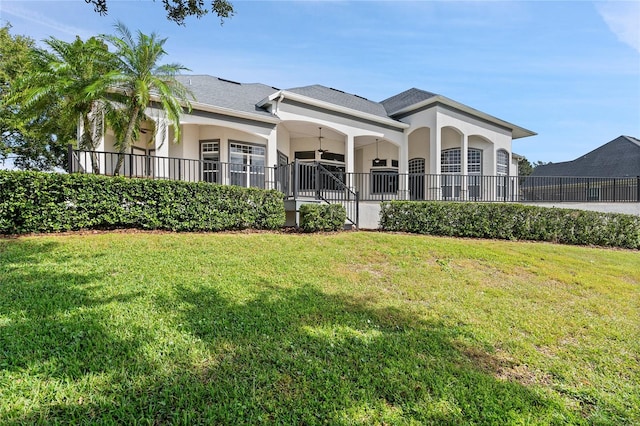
{"type": "Point", "coordinates": [340, 98]}
{"type": "Point", "coordinates": [405, 99]}
{"type": "Point", "coordinates": [618, 158]}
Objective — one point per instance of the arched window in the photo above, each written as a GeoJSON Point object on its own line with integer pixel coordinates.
{"type": "Point", "coordinates": [416, 178]}
{"type": "Point", "coordinates": [502, 169]}
{"type": "Point", "coordinates": [450, 161]}
{"type": "Point", "coordinates": [502, 163]}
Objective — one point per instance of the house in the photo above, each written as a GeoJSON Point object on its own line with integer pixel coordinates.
{"type": "Point", "coordinates": [609, 173]}
{"type": "Point", "coordinates": [617, 158]}
{"type": "Point", "coordinates": [414, 145]}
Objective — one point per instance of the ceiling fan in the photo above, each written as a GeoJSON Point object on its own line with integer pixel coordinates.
{"type": "Point", "coordinates": [320, 150]}
{"type": "Point", "coordinates": [376, 160]}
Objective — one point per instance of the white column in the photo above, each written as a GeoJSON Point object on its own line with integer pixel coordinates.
{"type": "Point", "coordinates": [435, 192]}
{"type": "Point", "coordinates": [349, 159]}
{"type": "Point", "coordinates": [464, 168]}
{"type": "Point", "coordinates": [464, 155]}
{"type": "Point", "coordinates": [271, 160]}
{"type": "Point", "coordinates": [403, 168]}
{"type": "Point", "coordinates": [161, 146]}
{"type": "Point", "coordinates": [223, 147]}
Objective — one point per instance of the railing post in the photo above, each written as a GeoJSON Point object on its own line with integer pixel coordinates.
{"type": "Point", "coordinates": [317, 180]}
{"type": "Point", "coordinates": [357, 210]}
{"type": "Point", "coordinates": [296, 183]}
{"type": "Point", "coordinates": [506, 188]}
{"type": "Point", "coordinates": [614, 190]}
{"type": "Point", "coordinates": [638, 189]}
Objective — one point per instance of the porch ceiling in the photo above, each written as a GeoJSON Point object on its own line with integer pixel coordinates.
{"type": "Point", "coordinates": [300, 129]}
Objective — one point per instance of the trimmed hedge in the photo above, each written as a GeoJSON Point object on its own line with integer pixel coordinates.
{"type": "Point", "coordinates": [322, 217]}
{"type": "Point", "coordinates": [512, 222]}
{"type": "Point", "coordinates": [51, 202]}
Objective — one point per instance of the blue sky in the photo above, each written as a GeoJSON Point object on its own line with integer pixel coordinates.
{"type": "Point", "coordinates": [569, 71]}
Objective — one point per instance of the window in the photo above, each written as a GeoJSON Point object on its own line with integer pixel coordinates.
{"type": "Point", "coordinates": [305, 155]}
{"type": "Point", "coordinates": [283, 160]}
{"type": "Point", "coordinates": [474, 170]}
{"type": "Point", "coordinates": [332, 156]}
{"type": "Point", "coordinates": [417, 165]}
{"type": "Point", "coordinates": [502, 163]}
{"type": "Point", "coordinates": [380, 163]}
{"type": "Point", "coordinates": [474, 161]}
{"type": "Point", "coordinates": [416, 178]}
{"type": "Point", "coordinates": [384, 181]}
{"type": "Point", "coordinates": [502, 170]}
{"type": "Point", "coordinates": [247, 164]}
{"type": "Point", "coordinates": [210, 156]}
{"type": "Point", "coordinates": [450, 161]}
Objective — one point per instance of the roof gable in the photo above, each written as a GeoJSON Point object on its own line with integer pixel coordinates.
{"type": "Point", "coordinates": [340, 98]}
{"type": "Point", "coordinates": [407, 98]}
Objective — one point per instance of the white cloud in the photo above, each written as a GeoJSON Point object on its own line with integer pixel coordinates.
{"type": "Point", "coordinates": [623, 19]}
{"type": "Point", "coordinates": [30, 15]}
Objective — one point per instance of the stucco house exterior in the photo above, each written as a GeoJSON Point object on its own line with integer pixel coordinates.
{"type": "Point", "coordinates": [414, 145]}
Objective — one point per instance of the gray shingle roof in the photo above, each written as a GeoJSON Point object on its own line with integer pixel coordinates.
{"type": "Point", "coordinates": [227, 94]}
{"type": "Point", "coordinates": [340, 98]}
{"type": "Point", "coordinates": [618, 158]}
{"type": "Point", "coordinates": [244, 97]}
{"type": "Point", "coordinates": [404, 99]}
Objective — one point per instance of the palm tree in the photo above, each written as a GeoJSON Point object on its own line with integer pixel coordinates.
{"type": "Point", "coordinates": [139, 80]}
{"type": "Point", "coordinates": [57, 88]}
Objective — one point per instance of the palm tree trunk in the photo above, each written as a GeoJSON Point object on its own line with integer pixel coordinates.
{"type": "Point", "coordinates": [127, 138]}
{"type": "Point", "coordinates": [88, 142]}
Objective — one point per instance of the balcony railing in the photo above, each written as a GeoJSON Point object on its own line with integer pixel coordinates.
{"type": "Point", "coordinates": [331, 183]}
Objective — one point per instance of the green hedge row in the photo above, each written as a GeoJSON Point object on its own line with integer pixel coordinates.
{"type": "Point", "coordinates": [52, 202]}
{"type": "Point", "coordinates": [513, 222]}
{"type": "Point", "coordinates": [322, 217]}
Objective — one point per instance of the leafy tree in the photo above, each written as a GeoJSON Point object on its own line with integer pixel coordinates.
{"type": "Point", "coordinates": [178, 10]}
{"type": "Point", "coordinates": [137, 79]}
{"type": "Point", "coordinates": [57, 87]}
{"type": "Point", "coordinates": [32, 144]}
{"type": "Point", "coordinates": [524, 167]}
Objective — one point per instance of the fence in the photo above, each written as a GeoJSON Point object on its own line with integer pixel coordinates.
{"type": "Point", "coordinates": [330, 182]}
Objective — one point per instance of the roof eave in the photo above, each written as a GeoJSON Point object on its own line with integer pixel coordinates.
{"type": "Point", "coordinates": [234, 113]}
{"type": "Point", "coordinates": [517, 132]}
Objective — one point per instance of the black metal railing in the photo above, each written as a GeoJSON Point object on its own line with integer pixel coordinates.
{"type": "Point", "coordinates": [330, 182]}
{"type": "Point", "coordinates": [171, 168]}
{"type": "Point", "coordinates": [580, 189]}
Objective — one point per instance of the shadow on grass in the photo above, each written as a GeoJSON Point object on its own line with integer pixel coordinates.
{"type": "Point", "coordinates": [50, 330]}
{"type": "Point", "coordinates": [285, 356]}
{"type": "Point", "coordinates": [304, 357]}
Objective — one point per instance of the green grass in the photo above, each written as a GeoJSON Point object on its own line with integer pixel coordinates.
{"type": "Point", "coordinates": [347, 328]}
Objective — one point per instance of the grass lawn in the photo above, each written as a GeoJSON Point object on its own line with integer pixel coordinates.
{"type": "Point", "coordinates": [347, 328]}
